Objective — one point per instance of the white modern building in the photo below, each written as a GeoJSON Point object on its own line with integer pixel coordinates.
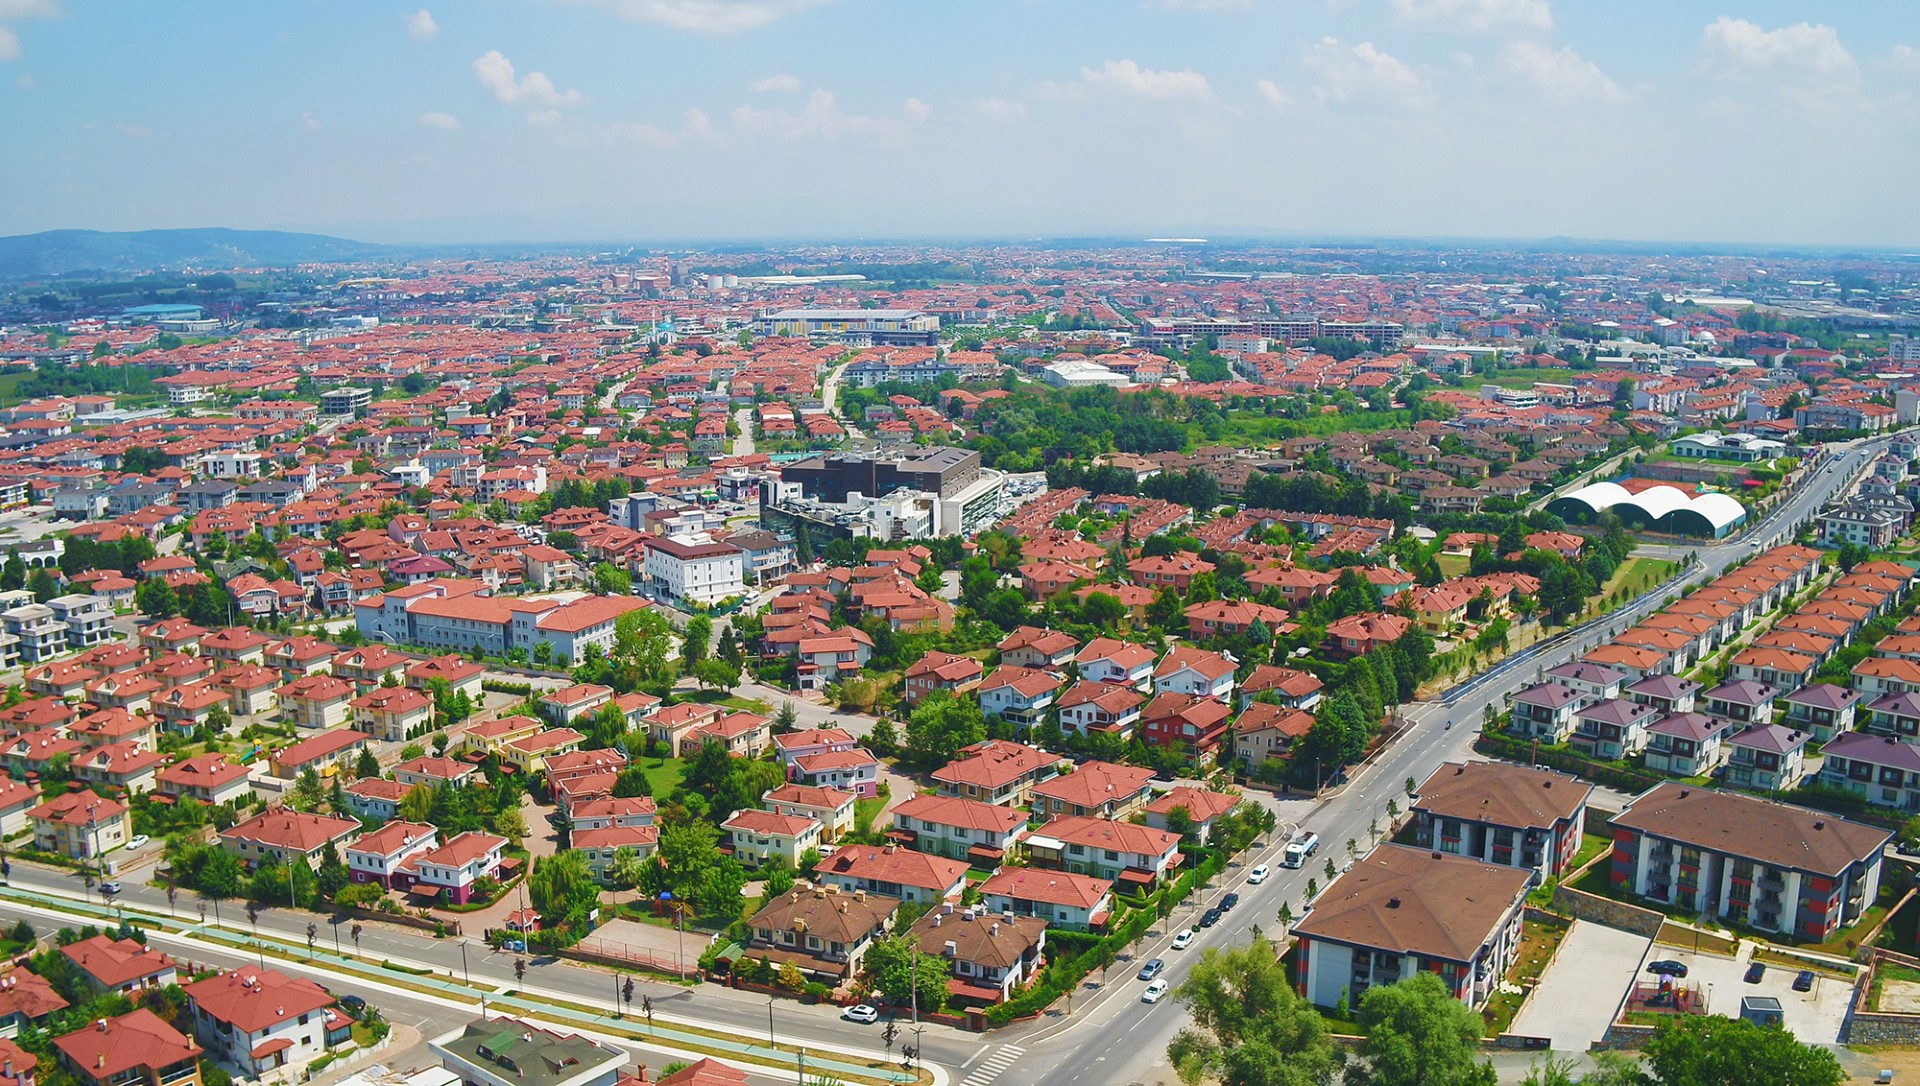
{"type": "Point", "coordinates": [695, 569]}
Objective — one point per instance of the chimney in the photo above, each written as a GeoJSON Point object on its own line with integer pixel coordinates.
{"type": "Point", "coordinates": [937, 917]}
{"type": "Point", "coordinates": [951, 949]}
{"type": "Point", "coordinates": [995, 930]}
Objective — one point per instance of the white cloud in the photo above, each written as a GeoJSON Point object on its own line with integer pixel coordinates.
{"type": "Point", "coordinates": [1474, 16]}
{"type": "Point", "coordinates": [823, 118]}
{"type": "Point", "coordinates": [446, 121]}
{"type": "Point", "coordinates": [11, 10]}
{"type": "Point", "coordinates": [999, 110]}
{"type": "Point", "coordinates": [710, 16]}
{"type": "Point", "coordinates": [1273, 94]}
{"type": "Point", "coordinates": [310, 122]}
{"type": "Point", "coordinates": [1127, 78]}
{"type": "Point", "coordinates": [495, 72]}
{"type": "Point", "coordinates": [421, 27]}
{"type": "Point", "coordinates": [650, 134]}
{"type": "Point", "coordinates": [698, 126]}
{"type": "Point", "coordinates": [1363, 74]}
{"type": "Point", "coordinates": [1561, 74]}
{"type": "Point", "coordinates": [776, 84]}
{"type": "Point", "coordinates": [1907, 58]}
{"type": "Point", "coordinates": [916, 110]}
{"type": "Point", "coordinates": [544, 117]}
{"type": "Point", "coordinates": [1740, 48]}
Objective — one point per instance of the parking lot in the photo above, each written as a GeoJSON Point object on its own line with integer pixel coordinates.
{"type": "Point", "coordinates": [1814, 1017]}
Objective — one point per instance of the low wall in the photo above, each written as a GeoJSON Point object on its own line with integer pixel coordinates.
{"type": "Point", "coordinates": [1674, 933]}
{"type": "Point", "coordinates": [1604, 910]}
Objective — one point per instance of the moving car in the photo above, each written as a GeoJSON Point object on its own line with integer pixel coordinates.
{"type": "Point", "coordinates": [1154, 991]}
{"type": "Point", "coordinates": [518, 946]}
{"type": "Point", "coordinates": [861, 1012]}
{"type": "Point", "coordinates": [1803, 981]}
{"type": "Point", "coordinates": [1183, 939]}
{"type": "Point", "coordinates": [1152, 969]}
{"type": "Point", "coordinates": [1257, 876]}
{"type": "Point", "coordinates": [1227, 903]}
{"type": "Point", "coordinates": [1210, 917]}
{"type": "Point", "coordinates": [1755, 972]}
{"type": "Point", "coordinates": [110, 887]}
{"type": "Point", "coordinates": [1667, 968]}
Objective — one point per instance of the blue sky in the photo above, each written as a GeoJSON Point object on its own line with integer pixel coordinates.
{"type": "Point", "coordinates": [659, 120]}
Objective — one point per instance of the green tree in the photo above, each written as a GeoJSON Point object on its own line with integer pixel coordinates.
{"type": "Point", "coordinates": [13, 575]}
{"type": "Point", "coordinates": [562, 886]}
{"type": "Point", "coordinates": [626, 868]}
{"type": "Point", "coordinates": [43, 585]}
{"type": "Point", "coordinates": [368, 764]}
{"type": "Point", "coordinates": [1418, 1034]}
{"type": "Point", "coordinates": [1713, 1051]}
{"type": "Point", "coordinates": [941, 725]}
{"type": "Point", "coordinates": [1249, 1026]}
{"type": "Point", "coordinates": [890, 966]}
{"type": "Point", "coordinates": [155, 598]}
{"type": "Point", "coordinates": [716, 674]}
{"type": "Point", "coordinates": [696, 641]}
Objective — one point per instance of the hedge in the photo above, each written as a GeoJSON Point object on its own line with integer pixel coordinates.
{"type": "Point", "coordinates": [521, 689]}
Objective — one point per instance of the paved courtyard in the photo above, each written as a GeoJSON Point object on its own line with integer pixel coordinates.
{"type": "Point", "coordinates": [1578, 996]}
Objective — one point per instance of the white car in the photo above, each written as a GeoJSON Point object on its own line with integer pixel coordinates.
{"type": "Point", "coordinates": [1257, 876]}
{"type": "Point", "coordinates": [1183, 939]}
{"type": "Point", "coordinates": [138, 840]}
{"type": "Point", "coordinates": [862, 1013]}
{"type": "Point", "coordinates": [1154, 991]}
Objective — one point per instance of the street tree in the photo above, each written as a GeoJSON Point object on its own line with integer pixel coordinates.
{"type": "Point", "coordinates": [1250, 1028]}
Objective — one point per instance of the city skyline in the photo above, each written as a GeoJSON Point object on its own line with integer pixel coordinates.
{"type": "Point", "coordinates": [1763, 123]}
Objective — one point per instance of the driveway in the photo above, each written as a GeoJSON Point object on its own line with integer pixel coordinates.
{"type": "Point", "coordinates": [1578, 996]}
{"type": "Point", "coordinates": [1814, 1017]}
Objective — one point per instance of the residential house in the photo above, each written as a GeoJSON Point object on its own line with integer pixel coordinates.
{"type": "Point", "coordinates": [855, 770]}
{"type": "Point", "coordinates": [120, 965]}
{"type": "Point", "coordinates": [833, 808]}
{"type": "Point", "coordinates": [1018, 695]}
{"type": "Point", "coordinates": [1090, 706]}
{"type": "Point", "coordinates": [1061, 898]}
{"type": "Point", "coordinates": [259, 1020]}
{"type": "Point", "coordinates": [991, 955]}
{"type": "Point", "coordinates": [1767, 757]}
{"type": "Point", "coordinates": [895, 872]}
{"type": "Point", "coordinates": [281, 834]}
{"type": "Point", "coordinates": [79, 825]}
{"type": "Point", "coordinates": [1133, 855]}
{"type": "Point", "coordinates": [135, 1048]}
{"type": "Point", "coordinates": [996, 771]}
{"type": "Point", "coordinates": [1196, 672]}
{"type": "Point", "coordinates": [1201, 809]}
{"type": "Point", "coordinates": [982, 834]}
{"type": "Point", "coordinates": [941, 671]}
{"type": "Point", "coordinates": [820, 930]}
{"type": "Point", "coordinates": [759, 836]}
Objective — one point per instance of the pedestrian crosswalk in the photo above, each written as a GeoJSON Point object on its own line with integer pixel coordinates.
{"type": "Point", "coordinates": [990, 1068]}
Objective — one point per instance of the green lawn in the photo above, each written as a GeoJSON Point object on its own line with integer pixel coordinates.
{"type": "Point", "coordinates": [663, 776]}
{"type": "Point", "coordinates": [865, 810]}
{"type": "Point", "coordinates": [1636, 575]}
{"type": "Point", "coordinates": [1527, 378]}
{"type": "Point", "coordinates": [1453, 565]}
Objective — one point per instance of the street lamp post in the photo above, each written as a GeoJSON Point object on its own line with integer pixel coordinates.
{"type": "Point", "coordinates": [770, 1041]}
{"type": "Point", "coordinates": [468, 973]}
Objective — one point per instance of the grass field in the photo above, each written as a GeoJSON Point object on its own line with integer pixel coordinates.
{"type": "Point", "coordinates": [1453, 565]}
{"type": "Point", "coordinates": [1528, 378]}
{"type": "Point", "coordinates": [1636, 575]}
{"type": "Point", "coordinates": [663, 775]}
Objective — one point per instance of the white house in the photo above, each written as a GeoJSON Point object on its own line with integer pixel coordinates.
{"type": "Point", "coordinates": [758, 836]}
{"type": "Point", "coordinates": [695, 569]}
{"type": "Point", "coordinates": [261, 1019]}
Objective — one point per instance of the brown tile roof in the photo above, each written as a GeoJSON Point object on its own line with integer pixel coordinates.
{"type": "Point", "coordinates": [1778, 834]}
{"type": "Point", "coordinates": [1514, 796]}
{"type": "Point", "coordinates": [117, 1045]}
{"type": "Point", "coordinates": [1409, 901]}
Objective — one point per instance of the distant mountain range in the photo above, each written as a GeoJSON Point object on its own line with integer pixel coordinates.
{"type": "Point", "coordinates": [64, 252]}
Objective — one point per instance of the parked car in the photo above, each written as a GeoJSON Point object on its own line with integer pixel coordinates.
{"type": "Point", "coordinates": [1803, 981]}
{"type": "Point", "coordinates": [518, 946]}
{"type": "Point", "coordinates": [1152, 969]}
{"type": "Point", "coordinates": [138, 840]}
{"type": "Point", "coordinates": [1210, 917]}
{"type": "Point", "coordinates": [861, 1012]}
{"type": "Point", "coordinates": [1755, 971]}
{"type": "Point", "coordinates": [1154, 991]}
{"type": "Point", "coordinates": [354, 1006]}
{"type": "Point", "coordinates": [1183, 938]}
{"type": "Point", "coordinates": [1227, 903]}
{"type": "Point", "coordinates": [1257, 876]}
{"type": "Point", "coordinates": [1667, 968]}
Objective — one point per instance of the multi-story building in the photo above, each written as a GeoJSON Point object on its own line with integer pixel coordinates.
{"type": "Point", "coordinates": [1402, 911]}
{"type": "Point", "coordinates": [515, 1052]}
{"type": "Point", "coordinates": [446, 613]}
{"type": "Point", "coordinates": [695, 569]}
{"type": "Point", "coordinates": [79, 825]}
{"type": "Point", "coordinates": [855, 327]}
{"type": "Point", "coordinates": [1510, 815]}
{"type": "Point", "coordinates": [1770, 866]}
{"type": "Point", "coordinates": [760, 836]}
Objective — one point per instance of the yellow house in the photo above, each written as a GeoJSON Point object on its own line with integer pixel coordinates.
{"type": "Point", "coordinates": [529, 754]}
{"type": "Point", "coordinates": [492, 736]}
